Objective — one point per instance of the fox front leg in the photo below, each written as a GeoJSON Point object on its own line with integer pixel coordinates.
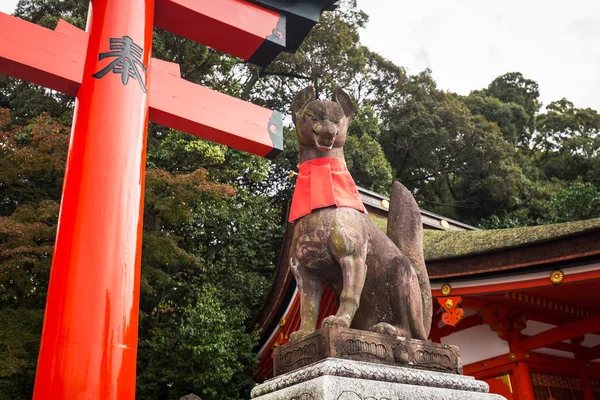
{"type": "Point", "coordinates": [310, 290]}
{"type": "Point", "coordinates": [354, 272]}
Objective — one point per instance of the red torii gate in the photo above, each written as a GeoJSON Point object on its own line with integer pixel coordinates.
{"type": "Point", "coordinates": [89, 338]}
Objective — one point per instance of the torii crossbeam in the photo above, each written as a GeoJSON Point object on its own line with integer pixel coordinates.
{"type": "Point", "coordinates": [89, 338]}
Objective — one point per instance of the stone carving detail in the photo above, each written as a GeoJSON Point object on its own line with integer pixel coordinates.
{"type": "Point", "coordinates": [372, 347]}
{"type": "Point", "coordinates": [354, 346]}
{"type": "Point", "coordinates": [307, 352]}
{"type": "Point", "coordinates": [350, 395]}
{"type": "Point", "coordinates": [376, 372]}
{"type": "Point", "coordinates": [425, 357]}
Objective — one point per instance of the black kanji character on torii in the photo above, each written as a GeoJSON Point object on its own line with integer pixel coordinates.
{"type": "Point", "coordinates": [128, 58]}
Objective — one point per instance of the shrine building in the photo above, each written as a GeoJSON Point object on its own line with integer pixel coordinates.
{"type": "Point", "coordinates": [522, 304]}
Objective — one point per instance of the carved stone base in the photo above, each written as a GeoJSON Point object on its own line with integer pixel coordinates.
{"type": "Point", "coordinates": [335, 379]}
{"type": "Point", "coordinates": [352, 344]}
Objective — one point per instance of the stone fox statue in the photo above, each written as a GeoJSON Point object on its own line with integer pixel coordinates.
{"type": "Point", "coordinates": [380, 280]}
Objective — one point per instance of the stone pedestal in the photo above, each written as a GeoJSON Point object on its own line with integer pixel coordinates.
{"type": "Point", "coordinates": [337, 379]}
{"type": "Point", "coordinates": [346, 364]}
{"type": "Point", "coordinates": [353, 344]}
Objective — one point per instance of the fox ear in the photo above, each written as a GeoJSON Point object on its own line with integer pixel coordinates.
{"type": "Point", "coordinates": [345, 101]}
{"type": "Point", "coordinates": [303, 97]}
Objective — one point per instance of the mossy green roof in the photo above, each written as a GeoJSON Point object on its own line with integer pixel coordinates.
{"type": "Point", "coordinates": [442, 245]}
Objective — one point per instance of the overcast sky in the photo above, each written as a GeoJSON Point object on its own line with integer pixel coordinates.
{"type": "Point", "coordinates": [8, 6]}
{"type": "Point", "coordinates": [467, 43]}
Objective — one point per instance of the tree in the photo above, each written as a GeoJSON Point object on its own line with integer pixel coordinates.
{"type": "Point", "coordinates": [456, 163]}
{"type": "Point", "coordinates": [566, 144]}
{"type": "Point", "coordinates": [579, 201]}
{"type": "Point", "coordinates": [511, 118]}
{"type": "Point", "coordinates": [31, 163]}
{"type": "Point", "coordinates": [513, 87]}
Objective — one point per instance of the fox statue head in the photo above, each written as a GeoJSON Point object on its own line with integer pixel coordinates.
{"type": "Point", "coordinates": [322, 124]}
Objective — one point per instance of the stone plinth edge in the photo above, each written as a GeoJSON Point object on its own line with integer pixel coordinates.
{"type": "Point", "coordinates": [358, 370]}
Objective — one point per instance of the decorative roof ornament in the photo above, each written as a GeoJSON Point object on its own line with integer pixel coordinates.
{"type": "Point", "coordinates": [557, 277]}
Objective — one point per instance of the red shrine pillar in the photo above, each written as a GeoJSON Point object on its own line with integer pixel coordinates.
{"type": "Point", "coordinates": [89, 339]}
{"type": "Point", "coordinates": [521, 372]}
{"type": "Point", "coordinates": [588, 391]}
{"type": "Point", "coordinates": [523, 382]}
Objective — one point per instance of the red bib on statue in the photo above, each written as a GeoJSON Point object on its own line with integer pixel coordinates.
{"type": "Point", "coordinates": [324, 182]}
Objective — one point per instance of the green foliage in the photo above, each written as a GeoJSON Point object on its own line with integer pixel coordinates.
{"type": "Point", "coordinates": [19, 338]}
{"type": "Point", "coordinates": [513, 87]}
{"type": "Point", "coordinates": [511, 118]}
{"type": "Point", "coordinates": [567, 144]}
{"type": "Point", "coordinates": [31, 168]}
{"type": "Point", "coordinates": [365, 158]}
{"type": "Point", "coordinates": [203, 348]}
{"type": "Point", "coordinates": [332, 43]}
{"type": "Point", "coordinates": [457, 164]}
{"type": "Point", "coordinates": [579, 201]}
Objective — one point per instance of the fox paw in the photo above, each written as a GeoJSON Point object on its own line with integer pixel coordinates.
{"type": "Point", "coordinates": [333, 320]}
{"type": "Point", "coordinates": [388, 329]}
{"type": "Point", "coordinates": [298, 335]}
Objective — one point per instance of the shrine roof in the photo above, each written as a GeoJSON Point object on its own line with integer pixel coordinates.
{"type": "Point", "coordinates": [442, 245]}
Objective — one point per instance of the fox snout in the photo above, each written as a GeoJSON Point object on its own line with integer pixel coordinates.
{"type": "Point", "coordinates": [325, 134]}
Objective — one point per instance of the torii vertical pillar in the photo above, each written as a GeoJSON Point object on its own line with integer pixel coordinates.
{"type": "Point", "coordinates": [89, 339]}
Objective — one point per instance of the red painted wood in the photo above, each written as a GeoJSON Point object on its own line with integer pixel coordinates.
{"type": "Point", "coordinates": [41, 56]}
{"type": "Point", "coordinates": [521, 284]}
{"type": "Point", "coordinates": [493, 372]}
{"type": "Point", "coordinates": [570, 347]}
{"type": "Point", "coordinates": [174, 102]}
{"type": "Point", "coordinates": [72, 31]}
{"type": "Point", "coordinates": [478, 304]}
{"type": "Point", "coordinates": [195, 109]}
{"type": "Point", "coordinates": [561, 333]}
{"type": "Point", "coordinates": [523, 384]}
{"type": "Point", "coordinates": [236, 27]}
{"type": "Point", "coordinates": [588, 391]}
{"type": "Point", "coordinates": [498, 386]}
{"type": "Point", "coordinates": [503, 362]}
{"type": "Point", "coordinates": [89, 339]}
{"type": "Point", "coordinates": [545, 363]}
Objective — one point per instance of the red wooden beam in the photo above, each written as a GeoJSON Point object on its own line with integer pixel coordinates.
{"type": "Point", "coordinates": [54, 59]}
{"type": "Point", "coordinates": [561, 333]}
{"type": "Point", "coordinates": [569, 347]}
{"type": "Point", "coordinates": [195, 109]}
{"type": "Point", "coordinates": [235, 27]}
{"type": "Point", "coordinates": [472, 303]}
{"type": "Point", "coordinates": [493, 363]}
{"type": "Point", "coordinates": [492, 372]}
{"type": "Point", "coordinates": [41, 56]}
{"type": "Point", "coordinates": [562, 366]}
